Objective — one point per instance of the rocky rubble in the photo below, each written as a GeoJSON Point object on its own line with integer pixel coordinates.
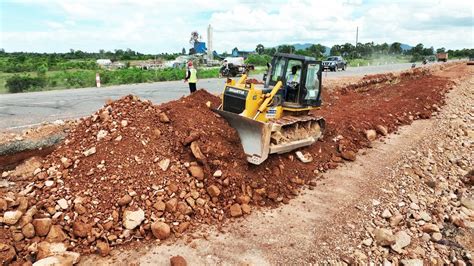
{"type": "Point", "coordinates": [137, 171]}
{"type": "Point", "coordinates": [134, 170]}
{"type": "Point", "coordinates": [426, 216]}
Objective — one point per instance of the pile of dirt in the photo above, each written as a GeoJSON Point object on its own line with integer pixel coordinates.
{"type": "Point", "coordinates": [370, 81]}
{"type": "Point", "coordinates": [357, 117]}
{"type": "Point", "coordinates": [134, 170]}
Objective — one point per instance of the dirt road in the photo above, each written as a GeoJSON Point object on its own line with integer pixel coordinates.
{"type": "Point", "coordinates": [330, 221]}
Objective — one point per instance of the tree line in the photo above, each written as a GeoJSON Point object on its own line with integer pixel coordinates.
{"type": "Point", "coordinates": [74, 59]}
{"type": "Point", "coordinates": [364, 50]}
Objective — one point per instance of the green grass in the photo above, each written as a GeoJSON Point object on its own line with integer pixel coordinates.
{"type": "Point", "coordinates": [50, 75]}
{"type": "Point", "coordinates": [3, 80]}
{"type": "Point", "coordinates": [86, 78]}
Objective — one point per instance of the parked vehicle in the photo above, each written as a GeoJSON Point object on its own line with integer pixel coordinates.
{"type": "Point", "coordinates": [334, 63]}
{"type": "Point", "coordinates": [233, 66]}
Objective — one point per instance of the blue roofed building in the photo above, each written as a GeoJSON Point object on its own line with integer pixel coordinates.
{"type": "Point", "coordinates": [200, 47]}
{"type": "Point", "coordinates": [244, 54]}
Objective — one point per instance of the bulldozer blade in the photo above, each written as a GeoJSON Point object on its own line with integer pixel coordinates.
{"type": "Point", "coordinates": [254, 135]}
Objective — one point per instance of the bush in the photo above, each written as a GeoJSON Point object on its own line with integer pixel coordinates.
{"type": "Point", "coordinates": [258, 60]}
{"type": "Point", "coordinates": [18, 83]}
{"type": "Point", "coordinates": [416, 58]}
{"type": "Point", "coordinates": [80, 79]}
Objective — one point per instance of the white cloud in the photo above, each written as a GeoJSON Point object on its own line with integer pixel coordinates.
{"type": "Point", "coordinates": [164, 25]}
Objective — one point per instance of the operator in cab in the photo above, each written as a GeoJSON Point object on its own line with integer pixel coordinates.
{"type": "Point", "coordinates": [292, 80]}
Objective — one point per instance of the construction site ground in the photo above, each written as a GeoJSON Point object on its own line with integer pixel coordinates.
{"type": "Point", "coordinates": [327, 223]}
{"type": "Point", "coordinates": [391, 181]}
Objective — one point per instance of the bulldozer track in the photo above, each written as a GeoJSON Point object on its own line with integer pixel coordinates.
{"type": "Point", "coordinates": [290, 128]}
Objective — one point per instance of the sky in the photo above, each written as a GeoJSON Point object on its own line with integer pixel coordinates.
{"type": "Point", "coordinates": [156, 26]}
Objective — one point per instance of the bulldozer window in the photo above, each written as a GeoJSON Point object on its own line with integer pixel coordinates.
{"type": "Point", "coordinates": [290, 77]}
{"type": "Point", "coordinates": [278, 68]}
{"type": "Point", "coordinates": [312, 82]}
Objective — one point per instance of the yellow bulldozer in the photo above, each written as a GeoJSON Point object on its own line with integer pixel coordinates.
{"type": "Point", "coordinates": [274, 117]}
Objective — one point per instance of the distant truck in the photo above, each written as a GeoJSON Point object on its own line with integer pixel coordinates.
{"type": "Point", "coordinates": [471, 61]}
{"type": "Point", "coordinates": [442, 57]}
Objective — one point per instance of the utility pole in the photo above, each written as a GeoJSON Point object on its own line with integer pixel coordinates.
{"type": "Point", "coordinates": [357, 36]}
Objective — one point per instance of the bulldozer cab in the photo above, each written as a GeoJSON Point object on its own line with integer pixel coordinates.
{"type": "Point", "coordinates": [301, 76]}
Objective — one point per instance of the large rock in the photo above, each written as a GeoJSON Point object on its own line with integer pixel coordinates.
{"type": "Point", "coordinates": [384, 237]}
{"type": "Point", "coordinates": [246, 208]}
{"type": "Point", "coordinates": [42, 226]}
{"type": "Point", "coordinates": [436, 236]}
{"type": "Point", "coordinates": [196, 172]}
{"type": "Point", "coordinates": [63, 204]}
{"type": "Point", "coordinates": [103, 248]}
{"type": "Point", "coordinates": [217, 174]}
{"type": "Point", "coordinates": [89, 152]}
{"type": "Point", "coordinates": [66, 162]}
{"type": "Point", "coordinates": [214, 191]}
{"type": "Point", "coordinates": [101, 134]}
{"type": "Point", "coordinates": [395, 220]}
{"type": "Point", "coordinates": [46, 249]}
{"type": "Point", "coordinates": [164, 164]}
{"type": "Point", "coordinates": [22, 204]}
{"type": "Point", "coordinates": [197, 151]}
{"type": "Point", "coordinates": [28, 230]}
{"type": "Point", "coordinates": [430, 228]}
{"type": "Point", "coordinates": [305, 158]}
{"type": "Point", "coordinates": [171, 204]}
{"type": "Point", "coordinates": [349, 155]}
{"type": "Point", "coordinates": [194, 135]}
{"type": "Point", "coordinates": [12, 217]}
{"type": "Point", "coordinates": [164, 118]}
{"type": "Point", "coordinates": [7, 254]}
{"type": "Point", "coordinates": [79, 208]}
{"type": "Point", "coordinates": [382, 130]}
{"type": "Point", "coordinates": [3, 204]}
{"type": "Point", "coordinates": [81, 229]}
{"type": "Point", "coordinates": [124, 200]}
{"type": "Point", "coordinates": [160, 230]}
{"type": "Point", "coordinates": [65, 258]}
{"type": "Point", "coordinates": [132, 219]}
{"type": "Point", "coordinates": [160, 206]}
{"type": "Point", "coordinates": [178, 261]}
{"type": "Point", "coordinates": [184, 208]}
{"type": "Point", "coordinates": [468, 203]}
{"type": "Point", "coordinates": [182, 227]}
{"type": "Point", "coordinates": [402, 239]}
{"type": "Point", "coordinates": [371, 134]}
{"type": "Point", "coordinates": [235, 210]}
{"type": "Point", "coordinates": [56, 234]}
{"type": "Point", "coordinates": [412, 262]}
{"type": "Point", "coordinates": [243, 199]}
{"type": "Point", "coordinates": [386, 214]}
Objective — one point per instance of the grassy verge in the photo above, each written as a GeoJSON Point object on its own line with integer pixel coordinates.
{"type": "Point", "coordinates": [3, 81]}
{"type": "Point", "coordinates": [54, 80]}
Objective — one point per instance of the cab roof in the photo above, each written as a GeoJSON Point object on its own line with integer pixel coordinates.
{"type": "Point", "coordinates": [295, 56]}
